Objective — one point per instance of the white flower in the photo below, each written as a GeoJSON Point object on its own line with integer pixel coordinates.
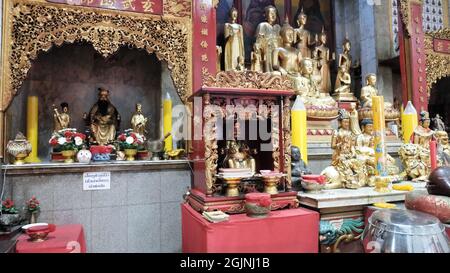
{"type": "Point", "coordinates": [78, 141]}
{"type": "Point", "coordinates": [61, 140]}
{"type": "Point", "coordinates": [129, 140]}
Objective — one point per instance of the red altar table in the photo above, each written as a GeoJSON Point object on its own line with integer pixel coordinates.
{"type": "Point", "coordinates": [65, 239]}
{"type": "Point", "coordinates": [284, 231]}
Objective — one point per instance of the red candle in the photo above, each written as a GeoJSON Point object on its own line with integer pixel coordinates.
{"type": "Point", "coordinates": [433, 156]}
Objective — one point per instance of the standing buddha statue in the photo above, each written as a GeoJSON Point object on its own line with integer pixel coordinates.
{"type": "Point", "coordinates": [302, 36]}
{"type": "Point", "coordinates": [267, 37]}
{"type": "Point", "coordinates": [343, 85]}
{"type": "Point", "coordinates": [234, 45]}
{"type": "Point", "coordinates": [323, 55]}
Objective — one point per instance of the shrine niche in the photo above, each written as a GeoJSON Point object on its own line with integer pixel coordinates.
{"type": "Point", "coordinates": [37, 26]}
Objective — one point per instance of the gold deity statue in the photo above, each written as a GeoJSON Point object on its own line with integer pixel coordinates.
{"type": "Point", "coordinates": [61, 120]}
{"type": "Point", "coordinates": [344, 158]}
{"type": "Point", "coordinates": [138, 121]}
{"type": "Point", "coordinates": [256, 60]}
{"type": "Point", "coordinates": [443, 147]}
{"type": "Point", "coordinates": [103, 119]}
{"type": "Point", "coordinates": [218, 58]}
{"type": "Point", "coordinates": [343, 83]}
{"type": "Point", "coordinates": [365, 147]}
{"type": "Point", "coordinates": [286, 59]}
{"type": "Point", "coordinates": [322, 53]}
{"type": "Point", "coordinates": [238, 156]}
{"type": "Point", "coordinates": [354, 120]}
{"type": "Point", "coordinates": [369, 91]}
{"type": "Point", "coordinates": [422, 133]}
{"type": "Point", "coordinates": [302, 37]}
{"type": "Point", "coordinates": [234, 43]}
{"type": "Point", "coordinates": [306, 86]}
{"type": "Point", "coordinates": [267, 37]}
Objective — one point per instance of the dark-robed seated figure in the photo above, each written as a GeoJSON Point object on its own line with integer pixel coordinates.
{"type": "Point", "coordinates": [103, 119]}
{"type": "Point", "coordinates": [298, 167]}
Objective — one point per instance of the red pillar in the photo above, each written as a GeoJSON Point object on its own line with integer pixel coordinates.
{"type": "Point", "coordinates": [412, 55]}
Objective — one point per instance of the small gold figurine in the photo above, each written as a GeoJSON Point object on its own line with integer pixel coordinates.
{"type": "Point", "coordinates": [103, 119]}
{"type": "Point", "coordinates": [61, 120]}
{"type": "Point", "coordinates": [344, 160]}
{"type": "Point", "coordinates": [423, 134]}
{"type": "Point", "coordinates": [234, 43]}
{"type": "Point", "coordinates": [138, 121]}
{"type": "Point", "coordinates": [268, 37]}
{"type": "Point", "coordinates": [238, 156]}
{"type": "Point", "coordinates": [256, 60]}
{"type": "Point", "coordinates": [323, 55]}
{"type": "Point", "coordinates": [343, 83]}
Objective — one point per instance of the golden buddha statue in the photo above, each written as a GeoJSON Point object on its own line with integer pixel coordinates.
{"type": "Point", "coordinates": [238, 156]}
{"type": "Point", "coordinates": [103, 119]}
{"type": "Point", "coordinates": [322, 52]}
{"type": "Point", "coordinates": [267, 37]}
{"type": "Point", "coordinates": [302, 37]}
{"type": "Point", "coordinates": [61, 120]}
{"type": "Point", "coordinates": [305, 86]}
{"type": "Point", "coordinates": [286, 59]}
{"type": "Point", "coordinates": [344, 158]}
{"type": "Point", "coordinates": [234, 42]}
{"type": "Point", "coordinates": [138, 121]}
{"type": "Point", "coordinates": [369, 91]}
{"type": "Point", "coordinates": [354, 120]}
{"type": "Point", "coordinates": [342, 87]}
{"type": "Point", "coordinates": [256, 60]}
{"type": "Point", "coordinates": [422, 133]}
{"type": "Point", "coordinates": [365, 147]}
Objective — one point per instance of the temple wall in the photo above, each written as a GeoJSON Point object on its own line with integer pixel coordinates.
{"type": "Point", "coordinates": [383, 30]}
{"type": "Point", "coordinates": [140, 213]}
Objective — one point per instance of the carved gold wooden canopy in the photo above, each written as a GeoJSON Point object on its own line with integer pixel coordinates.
{"type": "Point", "coordinates": [437, 49]}
{"type": "Point", "coordinates": [31, 27]}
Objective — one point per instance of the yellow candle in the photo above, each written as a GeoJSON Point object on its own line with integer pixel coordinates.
{"type": "Point", "coordinates": [32, 128]}
{"type": "Point", "coordinates": [167, 120]}
{"type": "Point", "coordinates": [409, 122]}
{"type": "Point", "coordinates": [299, 130]}
{"type": "Point", "coordinates": [379, 134]}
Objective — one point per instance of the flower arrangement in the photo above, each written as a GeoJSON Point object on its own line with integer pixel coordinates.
{"type": "Point", "coordinates": [8, 207]}
{"type": "Point", "coordinates": [33, 205]}
{"type": "Point", "coordinates": [130, 140]}
{"type": "Point", "coordinates": [67, 139]}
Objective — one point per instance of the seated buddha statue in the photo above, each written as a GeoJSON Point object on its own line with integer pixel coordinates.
{"type": "Point", "coordinates": [238, 156]}
{"type": "Point", "coordinates": [286, 58]}
{"type": "Point", "coordinates": [298, 167]}
{"type": "Point", "coordinates": [369, 91]}
{"type": "Point", "coordinates": [343, 91]}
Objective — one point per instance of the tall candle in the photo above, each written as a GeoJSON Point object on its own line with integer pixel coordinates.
{"type": "Point", "coordinates": [409, 122]}
{"type": "Point", "coordinates": [379, 134]}
{"type": "Point", "coordinates": [32, 128]}
{"type": "Point", "coordinates": [299, 130]}
{"type": "Point", "coordinates": [167, 121]}
{"type": "Point", "coordinates": [433, 155]}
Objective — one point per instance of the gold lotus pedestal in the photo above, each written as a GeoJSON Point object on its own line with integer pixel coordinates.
{"type": "Point", "coordinates": [68, 156]}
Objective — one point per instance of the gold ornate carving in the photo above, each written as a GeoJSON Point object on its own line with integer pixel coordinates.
{"type": "Point", "coordinates": [210, 116]}
{"type": "Point", "coordinates": [438, 64]}
{"type": "Point", "coordinates": [247, 79]}
{"type": "Point", "coordinates": [276, 139]}
{"type": "Point", "coordinates": [405, 14]}
{"type": "Point", "coordinates": [36, 26]}
{"type": "Point", "coordinates": [287, 140]}
{"type": "Point", "coordinates": [178, 8]}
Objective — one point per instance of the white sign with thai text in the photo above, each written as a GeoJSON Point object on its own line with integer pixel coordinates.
{"type": "Point", "coordinates": [96, 181]}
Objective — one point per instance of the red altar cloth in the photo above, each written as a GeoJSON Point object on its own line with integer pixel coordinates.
{"type": "Point", "coordinates": [65, 239]}
{"type": "Point", "coordinates": [284, 231]}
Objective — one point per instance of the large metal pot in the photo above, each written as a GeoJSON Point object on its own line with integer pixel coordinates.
{"type": "Point", "coordinates": [404, 231]}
